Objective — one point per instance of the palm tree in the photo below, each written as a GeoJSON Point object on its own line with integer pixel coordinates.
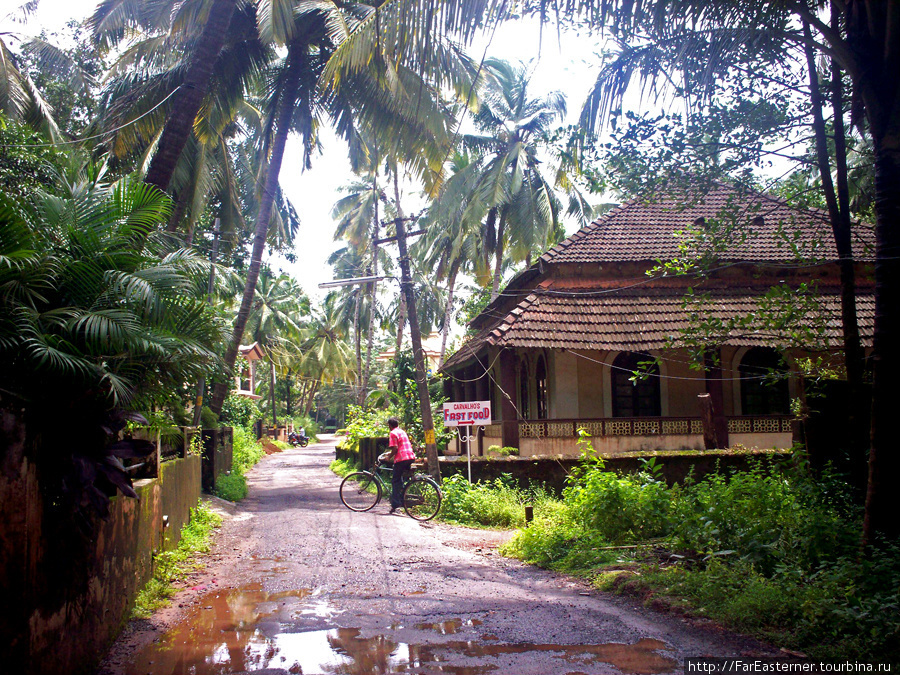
{"type": "Point", "coordinates": [276, 315]}
{"type": "Point", "coordinates": [216, 165]}
{"type": "Point", "coordinates": [306, 88]}
{"type": "Point", "coordinates": [325, 354]}
{"type": "Point", "coordinates": [209, 22]}
{"type": "Point", "coordinates": [517, 202]}
{"type": "Point", "coordinates": [309, 40]}
{"type": "Point", "coordinates": [20, 99]}
{"type": "Point", "coordinates": [351, 305]}
{"type": "Point", "coordinates": [453, 236]}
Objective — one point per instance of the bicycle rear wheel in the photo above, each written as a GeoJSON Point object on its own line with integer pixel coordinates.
{"type": "Point", "coordinates": [422, 498]}
{"type": "Point", "coordinates": [360, 491]}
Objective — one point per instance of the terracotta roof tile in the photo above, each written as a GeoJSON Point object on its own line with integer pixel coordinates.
{"type": "Point", "coordinates": [763, 228]}
{"type": "Point", "coordinates": [641, 319]}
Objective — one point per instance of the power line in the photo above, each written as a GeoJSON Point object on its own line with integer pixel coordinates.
{"type": "Point", "coordinates": [101, 134]}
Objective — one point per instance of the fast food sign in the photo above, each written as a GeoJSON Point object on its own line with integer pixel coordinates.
{"type": "Point", "coordinates": [469, 413]}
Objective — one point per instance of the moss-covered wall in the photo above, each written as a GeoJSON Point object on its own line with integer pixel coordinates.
{"type": "Point", "coordinates": [67, 588]}
{"type": "Point", "coordinates": [180, 481]}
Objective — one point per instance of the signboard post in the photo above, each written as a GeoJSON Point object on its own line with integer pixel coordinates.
{"type": "Point", "coordinates": [467, 414]}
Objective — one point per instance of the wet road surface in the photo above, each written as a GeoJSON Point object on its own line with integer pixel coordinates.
{"type": "Point", "coordinates": [307, 586]}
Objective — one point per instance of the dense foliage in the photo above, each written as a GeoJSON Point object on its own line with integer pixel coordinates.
{"type": "Point", "coordinates": [240, 411]}
{"type": "Point", "coordinates": [98, 317]}
{"type": "Point", "coordinates": [770, 551]}
{"type": "Point", "coordinates": [246, 453]}
{"type": "Point", "coordinates": [498, 503]}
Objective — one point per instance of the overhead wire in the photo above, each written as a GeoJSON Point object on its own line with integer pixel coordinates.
{"type": "Point", "coordinates": [101, 134]}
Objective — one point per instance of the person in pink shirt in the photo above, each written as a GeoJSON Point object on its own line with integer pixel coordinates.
{"type": "Point", "coordinates": [398, 441]}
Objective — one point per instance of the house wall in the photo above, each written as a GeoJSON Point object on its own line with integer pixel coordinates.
{"type": "Point", "coordinates": [682, 393]}
{"type": "Point", "coordinates": [590, 384]}
{"type": "Point", "coordinates": [613, 445]}
{"type": "Point", "coordinates": [564, 385]}
{"type": "Point", "coordinates": [782, 441]}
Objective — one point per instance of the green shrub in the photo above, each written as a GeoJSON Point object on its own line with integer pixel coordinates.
{"type": "Point", "coordinates": [496, 503]}
{"type": "Point", "coordinates": [240, 411]}
{"type": "Point", "coordinates": [231, 486]}
{"type": "Point", "coordinates": [208, 419]}
{"type": "Point", "coordinates": [505, 451]}
{"type": "Point", "coordinates": [621, 508]}
{"type": "Point", "coordinates": [342, 467]}
{"type": "Point", "coordinates": [246, 451]}
{"type": "Point", "coordinates": [308, 423]}
{"type": "Point", "coordinates": [556, 539]}
{"type": "Point", "coordinates": [362, 423]}
{"type": "Point", "coordinates": [766, 516]}
{"type": "Point", "coordinates": [773, 552]}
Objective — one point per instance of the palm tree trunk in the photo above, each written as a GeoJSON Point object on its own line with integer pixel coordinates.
{"type": "Point", "coordinates": [451, 284]}
{"type": "Point", "coordinates": [374, 288]}
{"type": "Point", "coordinates": [490, 237]}
{"type": "Point", "coordinates": [498, 263]}
{"type": "Point", "coordinates": [288, 408]}
{"type": "Point", "coordinates": [416, 338]}
{"type": "Point", "coordinates": [177, 215]}
{"type": "Point", "coordinates": [401, 323]}
{"type": "Point", "coordinates": [307, 407]}
{"type": "Point", "coordinates": [358, 340]}
{"type": "Point", "coordinates": [272, 393]}
{"type": "Point", "coordinates": [283, 124]}
{"type": "Point", "coordinates": [187, 101]}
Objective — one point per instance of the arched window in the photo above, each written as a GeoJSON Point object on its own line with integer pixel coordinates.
{"type": "Point", "coordinates": [641, 397]}
{"type": "Point", "coordinates": [524, 408]}
{"type": "Point", "coordinates": [540, 385]}
{"type": "Point", "coordinates": [764, 383]}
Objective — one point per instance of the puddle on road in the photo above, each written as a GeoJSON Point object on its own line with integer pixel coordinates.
{"type": "Point", "coordinates": [240, 630]}
{"type": "Point", "coordinates": [449, 627]}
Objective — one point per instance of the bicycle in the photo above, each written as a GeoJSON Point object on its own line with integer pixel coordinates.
{"type": "Point", "coordinates": [363, 490]}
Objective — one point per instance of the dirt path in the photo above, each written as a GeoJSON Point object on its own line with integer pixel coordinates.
{"type": "Point", "coordinates": [299, 584]}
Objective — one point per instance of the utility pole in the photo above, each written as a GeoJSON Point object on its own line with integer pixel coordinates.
{"type": "Point", "coordinates": [201, 385]}
{"type": "Point", "coordinates": [415, 335]}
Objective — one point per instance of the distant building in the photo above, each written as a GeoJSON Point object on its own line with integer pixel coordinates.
{"type": "Point", "coordinates": [245, 381]}
{"type": "Point", "coordinates": [558, 349]}
{"type": "Point", "coordinates": [431, 345]}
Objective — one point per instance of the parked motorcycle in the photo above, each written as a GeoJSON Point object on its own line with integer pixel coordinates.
{"type": "Point", "coordinates": [296, 439]}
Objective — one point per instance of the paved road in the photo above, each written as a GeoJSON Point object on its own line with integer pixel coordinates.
{"type": "Point", "coordinates": [303, 585]}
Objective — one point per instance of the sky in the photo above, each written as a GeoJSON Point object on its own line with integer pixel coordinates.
{"type": "Point", "coordinates": [568, 65]}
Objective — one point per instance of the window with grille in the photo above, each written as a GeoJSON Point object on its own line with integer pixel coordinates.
{"type": "Point", "coordinates": [764, 383]}
{"type": "Point", "coordinates": [540, 385]}
{"type": "Point", "coordinates": [638, 398]}
{"type": "Point", "coordinates": [524, 408]}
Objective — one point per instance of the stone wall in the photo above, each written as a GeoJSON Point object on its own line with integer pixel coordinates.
{"type": "Point", "coordinates": [552, 471]}
{"type": "Point", "coordinates": [67, 588]}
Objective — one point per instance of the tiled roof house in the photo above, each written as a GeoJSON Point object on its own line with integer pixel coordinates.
{"type": "Point", "coordinates": [558, 349]}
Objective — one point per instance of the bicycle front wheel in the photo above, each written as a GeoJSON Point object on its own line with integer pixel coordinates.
{"type": "Point", "coordinates": [422, 498]}
{"type": "Point", "coordinates": [360, 491]}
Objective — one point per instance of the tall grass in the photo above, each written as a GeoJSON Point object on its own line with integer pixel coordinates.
{"type": "Point", "coordinates": [768, 551]}
{"type": "Point", "coordinates": [173, 566]}
{"type": "Point", "coordinates": [497, 503]}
